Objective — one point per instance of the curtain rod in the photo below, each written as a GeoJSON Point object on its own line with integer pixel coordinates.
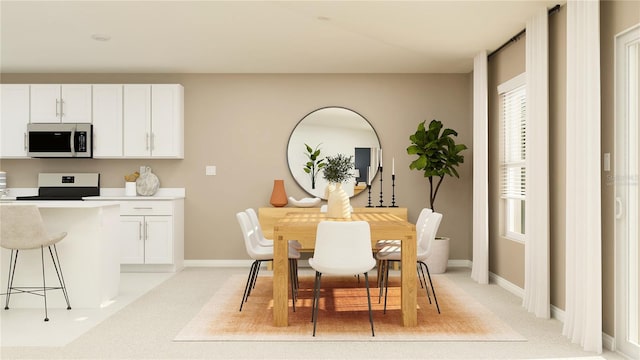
{"type": "Point", "coordinates": [518, 35]}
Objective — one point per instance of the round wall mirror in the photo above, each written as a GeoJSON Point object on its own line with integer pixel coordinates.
{"type": "Point", "coordinates": [333, 130]}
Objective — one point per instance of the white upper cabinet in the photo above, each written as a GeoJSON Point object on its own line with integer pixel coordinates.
{"type": "Point", "coordinates": [167, 123]}
{"type": "Point", "coordinates": [69, 103]}
{"type": "Point", "coordinates": [154, 121]}
{"type": "Point", "coordinates": [14, 117]}
{"type": "Point", "coordinates": [107, 121]}
{"type": "Point", "coordinates": [137, 121]}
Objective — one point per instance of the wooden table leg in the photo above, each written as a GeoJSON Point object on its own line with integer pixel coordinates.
{"type": "Point", "coordinates": [280, 280]}
{"type": "Point", "coordinates": [409, 291]}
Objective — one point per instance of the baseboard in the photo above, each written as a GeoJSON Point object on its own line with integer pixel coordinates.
{"type": "Point", "coordinates": [507, 285]}
{"type": "Point", "coordinates": [608, 342]}
{"type": "Point", "coordinates": [218, 263]}
{"type": "Point", "coordinates": [459, 263]}
{"type": "Point", "coordinates": [557, 313]}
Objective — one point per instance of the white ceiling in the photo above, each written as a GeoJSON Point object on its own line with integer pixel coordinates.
{"type": "Point", "coordinates": [255, 36]}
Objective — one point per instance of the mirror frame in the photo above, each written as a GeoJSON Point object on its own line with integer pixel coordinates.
{"type": "Point", "coordinates": [350, 190]}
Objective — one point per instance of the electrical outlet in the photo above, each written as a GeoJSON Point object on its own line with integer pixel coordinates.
{"type": "Point", "coordinates": [210, 170]}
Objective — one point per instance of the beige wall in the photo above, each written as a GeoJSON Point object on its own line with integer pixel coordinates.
{"type": "Point", "coordinates": [506, 257]}
{"type": "Point", "coordinates": [615, 17]}
{"type": "Point", "coordinates": [241, 124]}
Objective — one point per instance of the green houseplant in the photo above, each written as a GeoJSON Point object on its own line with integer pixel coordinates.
{"type": "Point", "coordinates": [336, 171]}
{"type": "Point", "coordinates": [438, 154]}
{"type": "Point", "coordinates": [314, 165]}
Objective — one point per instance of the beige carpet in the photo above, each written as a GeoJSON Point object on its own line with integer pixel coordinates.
{"type": "Point", "coordinates": [343, 315]}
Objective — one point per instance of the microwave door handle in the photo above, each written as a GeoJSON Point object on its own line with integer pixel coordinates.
{"type": "Point", "coordinates": [72, 141]}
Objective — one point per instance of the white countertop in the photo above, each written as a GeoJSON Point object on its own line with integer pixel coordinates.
{"type": "Point", "coordinates": [66, 204]}
{"type": "Point", "coordinates": [106, 194]}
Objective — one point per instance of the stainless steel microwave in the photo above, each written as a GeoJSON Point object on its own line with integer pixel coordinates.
{"type": "Point", "coordinates": [60, 140]}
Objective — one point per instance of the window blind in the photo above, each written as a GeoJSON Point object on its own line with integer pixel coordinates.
{"type": "Point", "coordinates": [514, 101]}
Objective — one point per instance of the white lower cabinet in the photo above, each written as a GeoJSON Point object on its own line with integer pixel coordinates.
{"type": "Point", "coordinates": [152, 233]}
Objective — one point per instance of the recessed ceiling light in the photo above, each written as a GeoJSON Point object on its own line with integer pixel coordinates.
{"type": "Point", "coordinates": [323, 18]}
{"type": "Point", "coordinates": [101, 37]}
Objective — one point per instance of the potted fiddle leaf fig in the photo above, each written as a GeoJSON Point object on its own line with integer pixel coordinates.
{"type": "Point", "coordinates": [438, 157]}
{"type": "Point", "coordinates": [314, 165]}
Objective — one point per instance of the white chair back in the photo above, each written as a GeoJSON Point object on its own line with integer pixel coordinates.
{"type": "Point", "coordinates": [428, 234]}
{"type": "Point", "coordinates": [255, 222]}
{"type": "Point", "coordinates": [21, 227]}
{"type": "Point", "coordinates": [422, 218]}
{"type": "Point", "coordinates": [249, 234]}
{"type": "Point", "coordinates": [343, 248]}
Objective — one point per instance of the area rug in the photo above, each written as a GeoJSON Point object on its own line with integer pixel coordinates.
{"type": "Point", "coordinates": [343, 314]}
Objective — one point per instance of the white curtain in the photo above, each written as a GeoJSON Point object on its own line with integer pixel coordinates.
{"type": "Point", "coordinates": [536, 272]}
{"type": "Point", "coordinates": [480, 268]}
{"type": "Point", "coordinates": [583, 313]}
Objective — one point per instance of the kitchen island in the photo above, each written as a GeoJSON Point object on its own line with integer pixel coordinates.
{"type": "Point", "coordinates": [88, 255]}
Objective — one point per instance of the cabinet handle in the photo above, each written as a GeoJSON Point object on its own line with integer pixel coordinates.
{"type": "Point", "coordinates": [61, 108]}
{"type": "Point", "coordinates": [147, 148]}
{"type": "Point", "coordinates": [152, 141]}
{"type": "Point", "coordinates": [57, 104]}
{"type": "Point", "coordinates": [146, 230]}
{"type": "Point", "coordinates": [140, 232]}
{"type": "Point", "coordinates": [143, 208]}
{"type": "Point", "coordinates": [25, 141]}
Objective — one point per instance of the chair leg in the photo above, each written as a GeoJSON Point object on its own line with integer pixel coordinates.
{"type": "Point", "coordinates": [10, 277]}
{"type": "Point", "coordinates": [423, 279]}
{"type": "Point", "coordinates": [60, 275]}
{"type": "Point", "coordinates": [44, 285]}
{"type": "Point", "coordinates": [366, 280]}
{"type": "Point", "coordinates": [433, 290]}
{"type": "Point", "coordinates": [245, 295]}
{"type": "Point", "coordinates": [316, 301]}
{"type": "Point", "coordinates": [292, 280]}
{"type": "Point", "coordinates": [386, 287]}
{"type": "Point", "coordinates": [381, 272]}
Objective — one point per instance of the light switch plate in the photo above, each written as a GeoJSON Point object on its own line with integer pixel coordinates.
{"type": "Point", "coordinates": [210, 170]}
{"type": "Point", "coordinates": [606, 162]}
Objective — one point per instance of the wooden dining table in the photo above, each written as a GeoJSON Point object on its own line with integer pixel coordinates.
{"type": "Point", "coordinates": [303, 226]}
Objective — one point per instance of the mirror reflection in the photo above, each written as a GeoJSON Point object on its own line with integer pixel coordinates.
{"type": "Point", "coordinates": [331, 131]}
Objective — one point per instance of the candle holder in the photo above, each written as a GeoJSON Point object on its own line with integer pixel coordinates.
{"type": "Point", "coordinates": [369, 190]}
{"type": "Point", "coordinates": [381, 203]}
{"type": "Point", "coordinates": [393, 191]}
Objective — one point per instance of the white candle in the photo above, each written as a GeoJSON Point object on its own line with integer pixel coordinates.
{"type": "Point", "coordinates": [393, 166]}
{"type": "Point", "coordinates": [368, 175]}
{"type": "Point", "coordinates": [380, 159]}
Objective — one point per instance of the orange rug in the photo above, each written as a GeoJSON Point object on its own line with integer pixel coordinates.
{"type": "Point", "coordinates": [343, 315]}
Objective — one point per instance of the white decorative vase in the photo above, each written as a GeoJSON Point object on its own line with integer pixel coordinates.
{"type": "Point", "coordinates": [338, 205]}
{"type": "Point", "coordinates": [147, 184]}
{"type": "Point", "coordinates": [439, 257]}
{"type": "Point", "coordinates": [130, 188]}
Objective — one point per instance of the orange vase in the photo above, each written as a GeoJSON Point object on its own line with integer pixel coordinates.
{"type": "Point", "coordinates": [278, 196]}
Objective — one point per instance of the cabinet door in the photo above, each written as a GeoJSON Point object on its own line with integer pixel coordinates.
{"type": "Point", "coordinates": [45, 103]}
{"type": "Point", "coordinates": [132, 239]}
{"type": "Point", "coordinates": [167, 123]}
{"type": "Point", "coordinates": [75, 106]}
{"type": "Point", "coordinates": [14, 117]}
{"type": "Point", "coordinates": [107, 121]}
{"type": "Point", "coordinates": [159, 240]}
{"type": "Point", "coordinates": [137, 120]}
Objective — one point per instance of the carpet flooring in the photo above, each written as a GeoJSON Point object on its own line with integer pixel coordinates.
{"type": "Point", "coordinates": [343, 315]}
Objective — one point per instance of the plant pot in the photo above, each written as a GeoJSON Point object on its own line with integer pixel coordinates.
{"type": "Point", "coordinates": [439, 257]}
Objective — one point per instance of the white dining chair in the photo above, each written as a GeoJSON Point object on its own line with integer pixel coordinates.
{"type": "Point", "coordinates": [262, 253]}
{"type": "Point", "coordinates": [262, 240]}
{"type": "Point", "coordinates": [342, 248]}
{"type": "Point", "coordinates": [22, 228]}
{"type": "Point", "coordinates": [393, 253]}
